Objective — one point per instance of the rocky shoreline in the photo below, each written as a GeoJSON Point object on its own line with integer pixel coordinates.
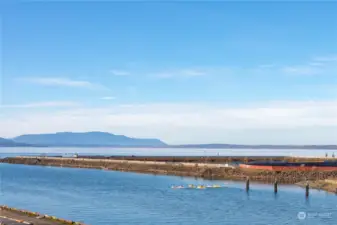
{"type": "Point", "coordinates": [195, 167]}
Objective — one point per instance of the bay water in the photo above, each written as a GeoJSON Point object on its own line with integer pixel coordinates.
{"type": "Point", "coordinates": [99, 197]}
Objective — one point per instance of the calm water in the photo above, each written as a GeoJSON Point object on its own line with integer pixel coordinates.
{"type": "Point", "coordinates": [167, 151]}
{"type": "Point", "coordinates": [107, 198]}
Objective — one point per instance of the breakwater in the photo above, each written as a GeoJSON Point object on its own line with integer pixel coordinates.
{"type": "Point", "coordinates": [197, 168]}
{"type": "Point", "coordinates": [209, 159]}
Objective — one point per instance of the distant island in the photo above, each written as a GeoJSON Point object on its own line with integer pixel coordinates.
{"type": "Point", "coordinates": [103, 139]}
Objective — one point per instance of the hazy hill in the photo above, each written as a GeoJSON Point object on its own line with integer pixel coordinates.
{"type": "Point", "coordinates": [86, 139]}
{"type": "Point", "coordinates": [102, 139]}
{"type": "Point", "coordinates": [9, 143]}
{"type": "Point", "coordinates": [5, 142]}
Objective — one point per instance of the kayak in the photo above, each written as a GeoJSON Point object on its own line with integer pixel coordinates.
{"type": "Point", "coordinates": [191, 186]}
{"type": "Point", "coordinates": [201, 187]}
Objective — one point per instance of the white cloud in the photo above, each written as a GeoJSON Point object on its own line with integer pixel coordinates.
{"type": "Point", "coordinates": [42, 104]}
{"type": "Point", "coordinates": [268, 123]}
{"type": "Point", "coordinates": [119, 72]}
{"type": "Point", "coordinates": [108, 98]}
{"type": "Point", "coordinates": [61, 82]}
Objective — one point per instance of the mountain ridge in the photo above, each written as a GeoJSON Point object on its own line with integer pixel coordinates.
{"type": "Point", "coordinates": [93, 138]}
{"type": "Point", "coordinates": [105, 139]}
{"type": "Point", "coordinates": [10, 143]}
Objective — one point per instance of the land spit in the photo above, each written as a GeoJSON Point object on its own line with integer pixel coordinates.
{"type": "Point", "coordinates": [199, 167]}
{"type": "Point", "coordinates": [18, 216]}
{"type": "Point", "coordinates": [209, 159]}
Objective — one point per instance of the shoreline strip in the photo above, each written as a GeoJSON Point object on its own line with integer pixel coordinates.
{"type": "Point", "coordinates": [28, 217]}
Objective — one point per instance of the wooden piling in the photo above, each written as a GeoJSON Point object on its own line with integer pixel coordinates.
{"type": "Point", "coordinates": [247, 184]}
{"type": "Point", "coordinates": [307, 189]}
{"type": "Point", "coordinates": [275, 186]}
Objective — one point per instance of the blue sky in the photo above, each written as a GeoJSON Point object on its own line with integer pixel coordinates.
{"type": "Point", "coordinates": [78, 56]}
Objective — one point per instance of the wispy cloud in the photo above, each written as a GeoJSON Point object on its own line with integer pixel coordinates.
{"type": "Point", "coordinates": [119, 72]}
{"type": "Point", "coordinates": [301, 70]}
{"type": "Point", "coordinates": [42, 104]}
{"type": "Point", "coordinates": [62, 82]}
{"type": "Point", "coordinates": [108, 98]}
{"type": "Point", "coordinates": [315, 66]}
{"type": "Point", "coordinates": [192, 72]}
{"type": "Point", "coordinates": [329, 58]}
{"type": "Point", "coordinates": [182, 73]}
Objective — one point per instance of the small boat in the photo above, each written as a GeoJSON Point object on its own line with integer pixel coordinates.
{"type": "Point", "coordinates": [192, 186]}
{"type": "Point", "coordinates": [178, 187]}
{"type": "Point", "coordinates": [213, 186]}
